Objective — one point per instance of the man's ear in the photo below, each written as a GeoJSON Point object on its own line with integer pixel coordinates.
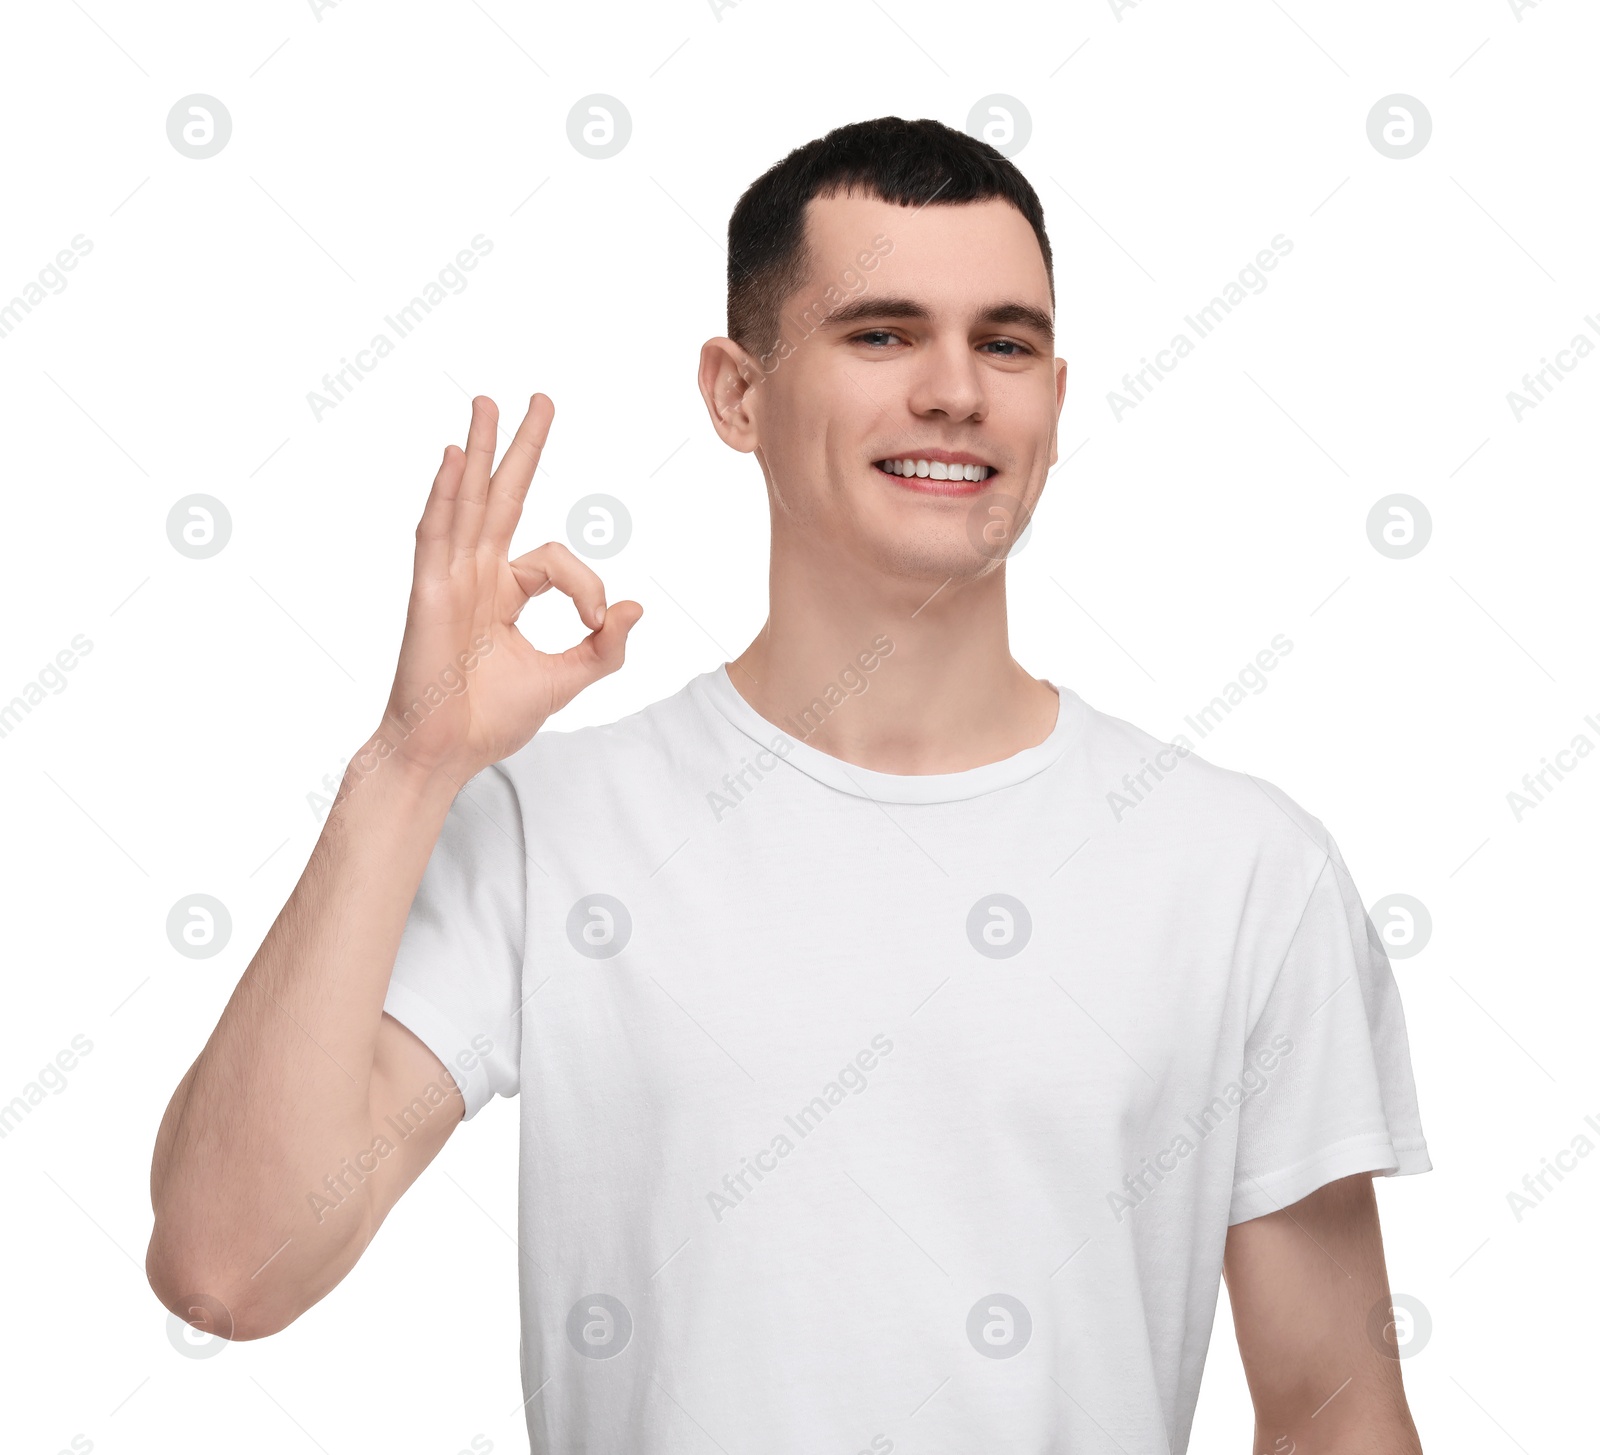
{"type": "Point", "coordinates": [728, 379]}
{"type": "Point", "coordinates": [1061, 399]}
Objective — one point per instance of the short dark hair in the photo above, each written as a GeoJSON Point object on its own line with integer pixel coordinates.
{"type": "Point", "coordinates": [909, 163]}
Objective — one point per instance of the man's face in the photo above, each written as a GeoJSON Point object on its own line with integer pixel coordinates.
{"type": "Point", "coordinates": [921, 333]}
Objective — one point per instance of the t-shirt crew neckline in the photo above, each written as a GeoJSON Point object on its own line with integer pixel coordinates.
{"type": "Point", "coordinates": [898, 787]}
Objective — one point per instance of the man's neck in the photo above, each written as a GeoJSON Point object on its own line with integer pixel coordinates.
{"type": "Point", "coordinates": [942, 694]}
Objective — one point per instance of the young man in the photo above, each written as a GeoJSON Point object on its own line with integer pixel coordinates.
{"type": "Point", "coordinates": [905, 1047]}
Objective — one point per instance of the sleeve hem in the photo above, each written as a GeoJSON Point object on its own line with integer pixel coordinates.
{"type": "Point", "coordinates": [438, 1033]}
{"type": "Point", "coordinates": [1369, 1152]}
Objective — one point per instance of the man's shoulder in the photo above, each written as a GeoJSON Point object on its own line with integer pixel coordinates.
{"type": "Point", "coordinates": [1174, 794]}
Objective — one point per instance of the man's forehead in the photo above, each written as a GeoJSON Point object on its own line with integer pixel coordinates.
{"type": "Point", "coordinates": [957, 256]}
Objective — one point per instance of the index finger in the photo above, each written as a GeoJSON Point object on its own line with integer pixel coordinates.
{"type": "Point", "coordinates": [508, 487]}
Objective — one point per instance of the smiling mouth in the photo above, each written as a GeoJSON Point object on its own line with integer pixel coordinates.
{"type": "Point", "coordinates": [933, 469]}
{"type": "Point", "coordinates": [942, 477]}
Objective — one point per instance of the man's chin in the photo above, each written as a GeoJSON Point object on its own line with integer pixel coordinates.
{"type": "Point", "coordinates": [941, 561]}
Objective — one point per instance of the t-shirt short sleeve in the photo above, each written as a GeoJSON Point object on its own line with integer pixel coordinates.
{"type": "Point", "coordinates": [1330, 1055]}
{"type": "Point", "coordinates": [457, 980]}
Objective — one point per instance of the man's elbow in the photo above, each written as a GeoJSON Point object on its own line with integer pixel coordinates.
{"type": "Point", "coordinates": [210, 1303]}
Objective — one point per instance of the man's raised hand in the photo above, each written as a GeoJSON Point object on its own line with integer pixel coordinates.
{"type": "Point", "coordinates": [469, 688]}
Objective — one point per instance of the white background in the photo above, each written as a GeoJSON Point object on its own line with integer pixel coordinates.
{"type": "Point", "coordinates": [1170, 143]}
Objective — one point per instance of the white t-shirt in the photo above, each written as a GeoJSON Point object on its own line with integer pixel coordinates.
{"type": "Point", "coordinates": [870, 1112]}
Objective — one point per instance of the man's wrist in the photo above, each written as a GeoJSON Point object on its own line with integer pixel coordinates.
{"type": "Point", "coordinates": [378, 760]}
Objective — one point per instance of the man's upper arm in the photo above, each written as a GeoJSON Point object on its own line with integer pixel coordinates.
{"type": "Point", "coordinates": [415, 1105]}
{"type": "Point", "coordinates": [1310, 1297]}
{"type": "Point", "coordinates": [457, 978]}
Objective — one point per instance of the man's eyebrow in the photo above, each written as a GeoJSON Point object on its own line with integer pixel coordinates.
{"type": "Point", "coordinates": [1023, 314]}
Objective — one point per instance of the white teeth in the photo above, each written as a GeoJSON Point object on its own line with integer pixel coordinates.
{"type": "Point", "coordinates": [936, 470]}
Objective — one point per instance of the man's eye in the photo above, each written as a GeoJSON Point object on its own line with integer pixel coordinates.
{"type": "Point", "coordinates": [878, 338]}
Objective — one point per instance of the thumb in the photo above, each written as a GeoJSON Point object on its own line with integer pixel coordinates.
{"type": "Point", "coordinates": [599, 654]}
